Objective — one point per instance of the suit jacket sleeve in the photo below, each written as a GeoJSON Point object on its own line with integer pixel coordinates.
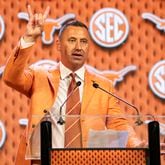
{"type": "Point", "coordinates": [120, 122]}
{"type": "Point", "coordinates": [15, 74]}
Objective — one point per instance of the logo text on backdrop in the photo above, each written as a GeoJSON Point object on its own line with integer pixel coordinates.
{"type": "Point", "coordinates": [157, 79]}
{"type": "Point", "coordinates": [109, 27]}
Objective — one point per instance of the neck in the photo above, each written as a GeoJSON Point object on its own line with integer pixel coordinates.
{"type": "Point", "coordinates": [73, 68]}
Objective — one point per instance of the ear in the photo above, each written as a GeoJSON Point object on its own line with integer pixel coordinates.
{"type": "Point", "coordinates": [58, 43]}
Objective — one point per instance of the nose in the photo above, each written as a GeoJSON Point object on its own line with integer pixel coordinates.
{"type": "Point", "coordinates": [78, 45]}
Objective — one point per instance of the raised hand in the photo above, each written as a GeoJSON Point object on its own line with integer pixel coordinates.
{"type": "Point", "coordinates": [35, 24]}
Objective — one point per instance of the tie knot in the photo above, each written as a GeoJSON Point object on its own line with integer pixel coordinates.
{"type": "Point", "coordinates": [73, 75]}
{"type": "Point", "coordinates": [72, 84]}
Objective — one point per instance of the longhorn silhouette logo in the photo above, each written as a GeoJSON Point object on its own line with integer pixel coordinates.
{"type": "Point", "coordinates": [114, 76]}
{"type": "Point", "coordinates": [160, 23]}
{"type": "Point", "coordinates": [50, 26]}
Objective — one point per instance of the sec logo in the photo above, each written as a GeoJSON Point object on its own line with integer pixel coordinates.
{"type": "Point", "coordinates": [109, 27]}
{"type": "Point", "coordinates": [157, 79]}
{"type": "Point", "coordinates": [2, 27]}
{"type": "Point", "coordinates": [2, 134]}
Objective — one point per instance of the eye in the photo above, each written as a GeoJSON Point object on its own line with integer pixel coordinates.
{"type": "Point", "coordinates": [72, 40]}
{"type": "Point", "coordinates": [84, 41]}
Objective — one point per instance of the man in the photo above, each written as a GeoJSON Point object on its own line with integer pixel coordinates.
{"type": "Point", "coordinates": [47, 89]}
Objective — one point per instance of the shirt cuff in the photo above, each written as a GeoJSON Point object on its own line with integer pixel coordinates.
{"type": "Point", "coordinates": [24, 44]}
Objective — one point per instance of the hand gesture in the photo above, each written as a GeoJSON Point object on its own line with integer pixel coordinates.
{"type": "Point", "coordinates": [35, 24]}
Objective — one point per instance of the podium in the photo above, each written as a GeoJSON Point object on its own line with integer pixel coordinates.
{"type": "Point", "coordinates": [105, 145]}
{"type": "Point", "coordinates": [100, 156]}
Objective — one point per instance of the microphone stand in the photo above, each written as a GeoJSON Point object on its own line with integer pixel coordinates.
{"type": "Point", "coordinates": [138, 121]}
{"type": "Point", "coordinates": [61, 121]}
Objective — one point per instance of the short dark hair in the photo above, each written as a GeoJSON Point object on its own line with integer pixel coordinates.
{"type": "Point", "coordinates": [71, 23]}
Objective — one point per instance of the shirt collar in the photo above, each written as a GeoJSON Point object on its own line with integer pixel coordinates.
{"type": "Point", "coordinates": [64, 72]}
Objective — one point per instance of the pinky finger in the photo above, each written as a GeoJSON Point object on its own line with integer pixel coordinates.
{"type": "Point", "coordinates": [46, 13]}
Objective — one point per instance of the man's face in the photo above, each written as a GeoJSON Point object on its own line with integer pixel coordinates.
{"type": "Point", "coordinates": [74, 45]}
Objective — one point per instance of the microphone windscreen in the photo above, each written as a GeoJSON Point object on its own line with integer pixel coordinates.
{"type": "Point", "coordinates": [78, 83]}
{"type": "Point", "coordinates": [95, 85]}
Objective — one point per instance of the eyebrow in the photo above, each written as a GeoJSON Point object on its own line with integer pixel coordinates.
{"type": "Point", "coordinates": [72, 37]}
{"type": "Point", "coordinates": [76, 38]}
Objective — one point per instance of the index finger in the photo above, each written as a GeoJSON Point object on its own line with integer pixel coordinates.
{"type": "Point", "coordinates": [30, 11]}
{"type": "Point", "coordinates": [46, 13]}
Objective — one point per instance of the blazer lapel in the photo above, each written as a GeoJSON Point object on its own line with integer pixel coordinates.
{"type": "Point", "coordinates": [88, 92]}
{"type": "Point", "coordinates": [54, 79]}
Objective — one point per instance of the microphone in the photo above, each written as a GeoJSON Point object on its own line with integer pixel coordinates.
{"type": "Point", "coordinates": [61, 121]}
{"type": "Point", "coordinates": [139, 121]}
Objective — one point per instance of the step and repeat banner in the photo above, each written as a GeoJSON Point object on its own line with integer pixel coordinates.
{"type": "Point", "coordinates": [128, 47]}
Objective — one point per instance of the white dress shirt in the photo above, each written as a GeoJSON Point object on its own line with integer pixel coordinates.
{"type": "Point", "coordinates": [57, 129]}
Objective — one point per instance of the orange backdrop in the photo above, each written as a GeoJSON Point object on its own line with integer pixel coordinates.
{"type": "Point", "coordinates": [144, 47]}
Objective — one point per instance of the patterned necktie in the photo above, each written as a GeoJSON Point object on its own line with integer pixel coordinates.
{"type": "Point", "coordinates": [73, 107]}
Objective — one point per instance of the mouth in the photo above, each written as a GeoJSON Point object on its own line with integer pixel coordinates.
{"type": "Point", "coordinates": [77, 55]}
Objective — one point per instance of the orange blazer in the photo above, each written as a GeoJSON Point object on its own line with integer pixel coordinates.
{"type": "Point", "coordinates": [41, 87]}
